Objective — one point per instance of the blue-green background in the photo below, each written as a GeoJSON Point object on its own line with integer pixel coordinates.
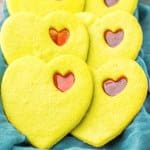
{"type": "Point", "coordinates": [145, 1]}
{"type": "Point", "coordinates": [135, 137]}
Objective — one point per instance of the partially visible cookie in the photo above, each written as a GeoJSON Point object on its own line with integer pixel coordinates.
{"type": "Point", "coordinates": [43, 7]}
{"type": "Point", "coordinates": [120, 90]}
{"type": "Point", "coordinates": [103, 7]}
{"type": "Point", "coordinates": [87, 18]}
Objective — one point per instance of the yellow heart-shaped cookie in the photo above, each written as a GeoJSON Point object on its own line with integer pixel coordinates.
{"type": "Point", "coordinates": [58, 33]}
{"type": "Point", "coordinates": [43, 7]}
{"type": "Point", "coordinates": [45, 101]}
{"type": "Point", "coordinates": [117, 35]}
{"type": "Point", "coordinates": [103, 7]}
{"type": "Point", "coordinates": [120, 90]}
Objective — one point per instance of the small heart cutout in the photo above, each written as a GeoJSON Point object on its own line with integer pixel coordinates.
{"type": "Point", "coordinates": [63, 83]}
{"type": "Point", "coordinates": [110, 3]}
{"type": "Point", "coordinates": [113, 39]}
{"type": "Point", "coordinates": [112, 88]}
{"type": "Point", "coordinates": [59, 37]}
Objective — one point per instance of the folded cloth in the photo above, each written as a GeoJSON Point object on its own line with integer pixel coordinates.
{"type": "Point", "coordinates": [135, 137]}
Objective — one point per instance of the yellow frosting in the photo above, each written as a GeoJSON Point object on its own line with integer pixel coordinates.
{"type": "Point", "coordinates": [100, 8]}
{"type": "Point", "coordinates": [100, 52]}
{"type": "Point", "coordinates": [26, 34]}
{"type": "Point", "coordinates": [108, 115]}
{"type": "Point", "coordinates": [43, 7]}
{"type": "Point", "coordinates": [36, 107]}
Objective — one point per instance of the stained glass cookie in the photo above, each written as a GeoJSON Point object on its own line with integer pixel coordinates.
{"type": "Point", "coordinates": [58, 33]}
{"type": "Point", "coordinates": [117, 35]}
{"type": "Point", "coordinates": [120, 91]}
{"type": "Point", "coordinates": [45, 101]}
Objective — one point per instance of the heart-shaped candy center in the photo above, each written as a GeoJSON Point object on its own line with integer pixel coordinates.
{"type": "Point", "coordinates": [64, 82]}
{"type": "Point", "coordinates": [110, 3]}
{"type": "Point", "coordinates": [59, 37]}
{"type": "Point", "coordinates": [112, 88]}
{"type": "Point", "coordinates": [113, 39]}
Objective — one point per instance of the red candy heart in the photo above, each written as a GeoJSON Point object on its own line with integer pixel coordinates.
{"type": "Point", "coordinates": [59, 37]}
{"type": "Point", "coordinates": [110, 3]}
{"type": "Point", "coordinates": [112, 88]}
{"type": "Point", "coordinates": [113, 39]}
{"type": "Point", "coordinates": [63, 83]}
